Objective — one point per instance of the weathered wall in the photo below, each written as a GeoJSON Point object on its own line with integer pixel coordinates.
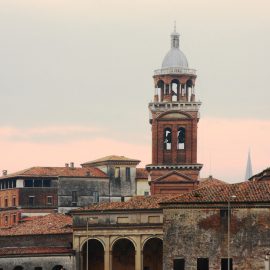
{"type": "Point", "coordinates": [122, 187]}
{"type": "Point", "coordinates": [46, 262]}
{"type": "Point", "coordinates": [85, 188]}
{"type": "Point", "coordinates": [46, 240]}
{"type": "Point", "coordinates": [194, 233]}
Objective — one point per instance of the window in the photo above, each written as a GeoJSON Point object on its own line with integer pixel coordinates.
{"type": "Point", "coordinates": [31, 200]}
{"type": "Point", "coordinates": [146, 193]}
{"type": "Point", "coordinates": [38, 268]}
{"type": "Point", "coordinates": [14, 218]}
{"type": "Point", "coordinates": [202, 264]}
{"type": "Point", "coordinates": [167, 139]}
{"type": "Point", "coordinates": [181, 137]}
{"type": "Point", "coordinates": [117, 173]}
{"type": "Point", "coordinates": [74, 198]}
{"type": "Point", "coordinates": [46, 183]}
{"type": "Point", "coordinates": [224, 264]}
{"type": "Point", "coordinates": [179, 264]}
{"type": "Point", "coordinates": [96, 197]}
{"type": "Point", "coordinates": [49, 200]}
{"type": "Point", "coordinates": [13, 200]}
{"type": "Point", "coordinates": [37, 183]}
{"type": "Point", "coordinates": [224, 217]}
{"type": "Point", "coordinates": [6, 202]}
{"type": "Point", "coordinates": [28, 183]}
{"type": "Point", "coordinates": [127, 174]}
{"type": "Point", "coordinates": [6, 220]}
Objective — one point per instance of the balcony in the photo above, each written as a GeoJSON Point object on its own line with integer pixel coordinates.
{"type": "Point", "coordinates": [175, 71]}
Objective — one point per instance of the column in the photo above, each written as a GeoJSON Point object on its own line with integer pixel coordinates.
{"type": "Point", "coordinates": [138, 258]}
{"type": "Point", "coordinates": [107, 254]}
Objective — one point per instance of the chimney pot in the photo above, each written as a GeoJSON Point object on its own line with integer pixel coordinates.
{"type": "Point", "coordinates": [4, 172]}
{"type": "Point", "coordinates": [72, 165]}
{"type": "Point", "coordinates": [66, 165]}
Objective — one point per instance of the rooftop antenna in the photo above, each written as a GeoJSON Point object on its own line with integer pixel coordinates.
{"type": "Point", "coordinates": [249, 172]}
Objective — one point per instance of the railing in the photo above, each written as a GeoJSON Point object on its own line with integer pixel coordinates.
{"type": "Point", "coordinates": [175, 70]}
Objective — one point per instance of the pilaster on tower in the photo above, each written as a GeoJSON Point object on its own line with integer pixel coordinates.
{"type": "Point", "coordinates": [174, 114]}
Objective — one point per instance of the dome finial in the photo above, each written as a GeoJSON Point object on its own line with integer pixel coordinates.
{"type": "Point", "coordinates": [174, 38]}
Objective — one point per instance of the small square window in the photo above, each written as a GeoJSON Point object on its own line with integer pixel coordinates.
{"type": "Point", "coordinates": [127, 174]}
{"type": "Point", "coordinates": [14, 201]}
{"type": "Point", "coordinates": [31, 200]}
{"type": "Point", "coordinates": [49, 200]}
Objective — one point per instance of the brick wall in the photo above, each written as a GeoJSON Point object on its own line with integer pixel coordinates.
{"type": "Point", "coordinates": [202, 233]}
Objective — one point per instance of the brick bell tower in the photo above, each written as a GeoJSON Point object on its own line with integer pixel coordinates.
{"type": "Point", "coordinates": [174, 115]}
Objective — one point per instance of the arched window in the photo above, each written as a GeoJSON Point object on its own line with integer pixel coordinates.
{"type": "Point", "coordinates": [181, 138]}
{"type": "Point", "coordinates": [175, 85]}
{"type": "Point", "coordinates": [167, 139]}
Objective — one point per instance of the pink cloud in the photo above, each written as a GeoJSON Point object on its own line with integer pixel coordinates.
{"type": "Point", "coordinates": [222, 147]}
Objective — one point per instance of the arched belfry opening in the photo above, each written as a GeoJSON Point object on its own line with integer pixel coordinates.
{"type": "Point", "coordinates": [123, 255]}
{"type": "Point", "coordinates": [152, 254]}
{"type": "Point", "coordinates": [93, 255]}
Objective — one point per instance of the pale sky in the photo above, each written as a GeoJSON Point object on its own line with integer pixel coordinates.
{"type": "Point", "coordinates": [76, 79]}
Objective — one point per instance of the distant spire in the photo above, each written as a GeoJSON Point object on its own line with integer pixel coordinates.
{"type": "Point", "coordinates": [249, 167]}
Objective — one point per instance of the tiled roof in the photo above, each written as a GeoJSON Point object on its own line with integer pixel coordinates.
{"type": "Point", "coordinates": [264, 175]}
{"type": "Point", "coordinates": [49, 224]}
{"type": "Point", "coordinates": [210, 181]}
{"type": "Point", "coordinates": [58, 171]}
{"type": "Point", "coordinates": [34, 250]}
{"type": "Point", "coordinates": [112, 158]}
{"type": "Point", "coordinates": [141, 173]}
{"type": "Point", "coordinates": [135, 203]}
{"type": "Point", "coordinates": [246, 192]}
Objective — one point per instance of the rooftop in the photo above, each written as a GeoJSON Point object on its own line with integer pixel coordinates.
{"type": "Point", "coordinates": [135, 203]}
{"type": "Point", "coordinates": [246, 192]}
{"type": "Point", "coordinates": [57, 172]}
{"type": "Point", "coordinates": [34, 250]}
{"type": "Point", "coordinates": [211, 181]}
{"type": "Point", "coordinates": [141, 173]}
{"type": "Point", "coordinates": [111, 158]}
{"type": "Point", "coordinates": [49, 224]}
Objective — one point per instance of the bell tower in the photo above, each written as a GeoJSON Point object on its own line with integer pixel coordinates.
{"type": "Point", "coordinates": [174, 114]}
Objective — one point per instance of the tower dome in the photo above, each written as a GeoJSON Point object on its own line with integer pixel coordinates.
{"type": "Point", "coordinates": [175, 57]}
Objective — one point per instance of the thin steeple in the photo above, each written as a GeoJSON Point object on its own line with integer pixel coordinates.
{"type": "Point", "coordinates": [249, 167]}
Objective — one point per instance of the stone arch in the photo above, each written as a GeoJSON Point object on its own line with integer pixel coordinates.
{"type": "Point", "coordinates": [123, 254]}
{"type": "Point", "coordinates": [153, 253]}
{"type": "Point", "coordinates": [175, 113]}
{"type": "Point", "coordinates": [93, 251]}
{"type": "Point", "coordinates": [90, 238]}
{"type": "Point", "coordinates": [150, 237]}
{"type": "Point", "coordinates": [123, 237]}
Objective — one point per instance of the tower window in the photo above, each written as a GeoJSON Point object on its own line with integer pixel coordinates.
{"type": "Point", "coordinates": [117, 173]}
{"type": "Point", "coordinates": [127, 174]}
{"type": "Point", "coordinates": [167, 139]}
{"type": "Point", "coordinates": [181, 138]}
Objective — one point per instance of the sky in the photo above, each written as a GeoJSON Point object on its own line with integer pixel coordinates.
{"type": "Point", "coordinates": [76, 79]}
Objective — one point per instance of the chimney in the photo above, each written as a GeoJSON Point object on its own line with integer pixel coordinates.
{"type": "Point", "coordinates": [4, 172]}
{"type": "Point", "coordinates": [66, 165]}
{"type": "Point", "coordinates": [72, 165]}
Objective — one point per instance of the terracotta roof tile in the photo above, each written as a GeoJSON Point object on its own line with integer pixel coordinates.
{"type": "Point", "coordinates": [210, 181]}
{"type": "Point", "coordinates": [112, 158]}
{"type": "Point", "coordinates": [59, 171]}
{"type": "Point", "coordinates": [135, 203]}
{"type": "Point", "coordinates": [34, 250]}
{"type": "Point", "coordinates": [141, 173]}
{"type": "Point", "coordinates": [49, 224]}
{"type": "Point", "coordinates": [245, 192]}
